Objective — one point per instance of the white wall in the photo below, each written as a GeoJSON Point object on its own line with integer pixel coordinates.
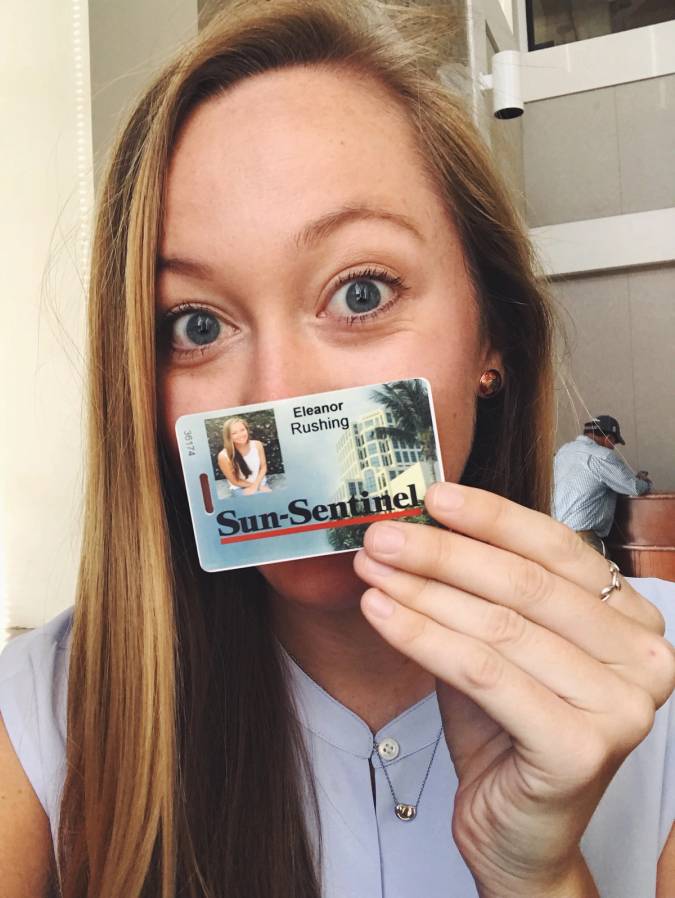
{"type": "Point", "coordinates": [600, 62]}
{"type": "Point", "coordinates": [49, 105]}
{"type": "Point", "coordinates": [46, 196]}
{"type": "Point", "coordinates": [632, 240]}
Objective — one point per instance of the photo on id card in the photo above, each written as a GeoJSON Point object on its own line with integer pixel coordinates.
{"type": "Point", "coordinates": [305, 476]}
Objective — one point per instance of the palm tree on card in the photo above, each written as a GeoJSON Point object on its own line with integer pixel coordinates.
{"type": "Point", "coordinates": [408, 403]}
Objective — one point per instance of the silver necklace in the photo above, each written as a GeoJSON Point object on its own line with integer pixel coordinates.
{"type": "Point", "coordinates": [403, 811]}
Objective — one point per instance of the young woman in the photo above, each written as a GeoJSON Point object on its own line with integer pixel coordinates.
{"type": "Point", "coordinates": [297, 205]}
{"type": "Point", "coordinates": [242, 460]}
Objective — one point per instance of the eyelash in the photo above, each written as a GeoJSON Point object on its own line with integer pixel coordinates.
{"type": "Point", "coordinates": [375, 274]}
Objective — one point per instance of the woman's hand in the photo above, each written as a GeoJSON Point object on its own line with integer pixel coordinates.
{"type": "Point", "coordinates": [543, 688]}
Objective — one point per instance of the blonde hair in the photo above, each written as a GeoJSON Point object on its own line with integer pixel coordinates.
{"type": "Point", "coordinates": [232, 453]}
{"type": "Point", "coordinates": [175, 678]}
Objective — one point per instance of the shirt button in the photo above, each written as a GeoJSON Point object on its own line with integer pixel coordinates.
{"type": "Point", "coordinates": [388, 749]}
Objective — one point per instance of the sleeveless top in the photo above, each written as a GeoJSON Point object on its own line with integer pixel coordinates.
{"type": "Point", "coordinates": [252, 459]}
{"type": "Point", "coordinates": [367, 850]}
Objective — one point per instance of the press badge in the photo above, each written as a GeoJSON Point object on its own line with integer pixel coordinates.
{"type": "Point", "coordinates": [301, 477]}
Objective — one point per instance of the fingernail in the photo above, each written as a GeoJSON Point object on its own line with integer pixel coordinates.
{"type": "Point", "coordinates": [375, 567]}
{"type": "Point", "coordinates": [377, 604]}
{"type": "Point", "coordinates": [387, 539]}
{"type": "Point", "coordinates": [447, 496]}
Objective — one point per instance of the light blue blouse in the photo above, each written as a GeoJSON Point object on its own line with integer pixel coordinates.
{"type": "Point", "coordinates": [368, 851]}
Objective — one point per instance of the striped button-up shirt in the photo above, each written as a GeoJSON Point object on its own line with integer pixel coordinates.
{"type": "Point", "coordinates": [588, 478]}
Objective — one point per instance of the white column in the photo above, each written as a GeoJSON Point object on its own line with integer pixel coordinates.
{"type": "Point", "coordinates": [47, 186]}
{"type": "Point", "coordinates": [53, 114]}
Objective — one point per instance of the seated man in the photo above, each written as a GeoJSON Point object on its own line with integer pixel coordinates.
{"type": "Point", "coordinates": [588, 475]}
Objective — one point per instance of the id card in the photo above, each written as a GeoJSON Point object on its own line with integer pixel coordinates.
{"type": "Point", "coordinates": [301, 477]}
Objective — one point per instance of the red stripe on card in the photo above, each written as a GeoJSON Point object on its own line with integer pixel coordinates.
{"type": "Point", "coordinates": [345, 522]}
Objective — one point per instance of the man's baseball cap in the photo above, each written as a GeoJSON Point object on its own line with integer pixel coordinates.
{"type": "Point", "coordinates": [607, 426]}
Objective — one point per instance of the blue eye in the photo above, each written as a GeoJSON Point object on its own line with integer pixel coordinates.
{"type": "Point", "coordinates": [194, 329]}
{"type": "Point", "coordinates": [364, 297]}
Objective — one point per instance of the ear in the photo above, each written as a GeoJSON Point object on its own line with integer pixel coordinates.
{"type": "Point", "coordinates": [491, 358]}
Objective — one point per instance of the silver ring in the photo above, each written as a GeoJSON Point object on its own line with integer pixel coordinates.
{"type": "Point", "coordinates": [615, 584]}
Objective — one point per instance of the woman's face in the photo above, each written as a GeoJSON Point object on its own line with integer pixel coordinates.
{"type": "Point", "coordinates": [305, 250]}
{"type": "Point", "coordinates": [239, 433]}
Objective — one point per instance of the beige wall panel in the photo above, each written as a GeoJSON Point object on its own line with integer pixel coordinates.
{"type": "Point", "coordinates": [652, 312]}
{"type": "Point", "coordinates": [129, 42]}
{"type": "Point", "coordinates": [507, 149]}
{"type": "Point", "coordinates": [596, 314]}
{"type": "Point", "coordinates": [571, 158]}
{"type": "Point", "coordinates": [646, 132]}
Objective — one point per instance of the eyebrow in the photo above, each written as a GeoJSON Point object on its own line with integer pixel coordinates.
{"type": "Point", "coordinates": [308, 237]}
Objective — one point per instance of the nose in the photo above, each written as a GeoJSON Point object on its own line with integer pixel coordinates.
{"type": "Point", "coordinates": [285, 363]}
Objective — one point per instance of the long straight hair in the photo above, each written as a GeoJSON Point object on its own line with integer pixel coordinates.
{"type": "Point", "coordinates": [178, 692]}
{"type": "Point", "coordinates": [241, 469]}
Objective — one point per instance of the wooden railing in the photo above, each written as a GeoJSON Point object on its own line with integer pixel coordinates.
{"type": "Point", "coordinates": [642, 540]}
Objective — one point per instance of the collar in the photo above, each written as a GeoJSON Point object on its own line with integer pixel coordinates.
{"type": "Point", "coordinates": [590, 444]}
{"type": "Point", "coordinates": [329, 720]}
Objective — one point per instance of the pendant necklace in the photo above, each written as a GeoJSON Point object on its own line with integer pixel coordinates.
{"type": "Point", "coordinates": [403, 811]}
